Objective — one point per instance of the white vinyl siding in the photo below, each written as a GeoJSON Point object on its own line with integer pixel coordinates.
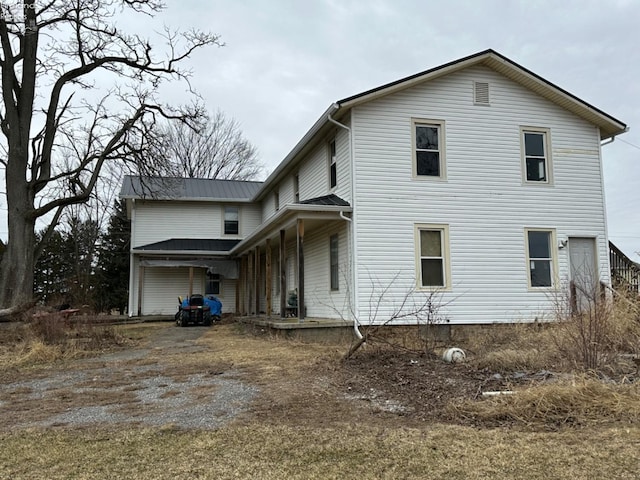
{"type": "Point", "coordinates": [163, 286]}
{"type": "Point", "coordinates": [156, 221]}
{"type": "Point", "coordinates": [484, 201]}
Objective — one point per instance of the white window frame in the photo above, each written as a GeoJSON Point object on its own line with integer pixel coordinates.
{"type": "Point", "coordinates": [445, 255]}
{"type": "Point", "coordinates": [440, 125]}
{"type": "Point", "coordinates": [553, 258]}
{"type": "Point", "coordinates": [548, 163]}
{"type": "Point", "coordinates": [333, 164]}
{"type": "Point", "coordinates": [276, 199]}
{"type": "Point", "coordinates": [206, 282]}
{"type": "Point", "coordinates": [224, 219]}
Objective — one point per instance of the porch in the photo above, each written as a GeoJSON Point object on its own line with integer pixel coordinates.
{"type": "Point", "coordinates": [316, 330]}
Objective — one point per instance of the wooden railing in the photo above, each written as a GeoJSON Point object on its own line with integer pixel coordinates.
{"type": "Point", "coordinates": [625, 273]}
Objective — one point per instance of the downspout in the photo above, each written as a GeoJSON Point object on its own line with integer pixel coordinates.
{"type": "Point", "coordinates": [604, 202]}
{"type": "Point", "coordinates": [354, 276]}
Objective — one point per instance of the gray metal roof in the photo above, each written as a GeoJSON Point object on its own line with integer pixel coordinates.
{"type": "Point", "coordinates": [188, 188]}
{"type": "Point", "coordinates": [192, 244]}
{"type": "Point", "coordinates": [326, 200]}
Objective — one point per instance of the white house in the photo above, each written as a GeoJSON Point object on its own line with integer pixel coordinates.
{"type": "Point", "coordinates": [478, 180]}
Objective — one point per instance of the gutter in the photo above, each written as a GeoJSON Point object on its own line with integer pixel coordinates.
{"type": "Point", "coordinates": [354, 277]}
{"type": "Point", "coordinates": [613, 137]}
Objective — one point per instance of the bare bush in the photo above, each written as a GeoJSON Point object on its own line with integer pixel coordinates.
{"type": "Point", "coordinates": [594, 327]}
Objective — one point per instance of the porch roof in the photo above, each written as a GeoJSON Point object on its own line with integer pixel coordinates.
{"type": "Point", "coordinates": [209, 246]}
{"type": "Point", "coordinates": [329, 207]}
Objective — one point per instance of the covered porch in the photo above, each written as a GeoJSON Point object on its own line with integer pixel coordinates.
{"type": "Point", "coordinates": [285, 267]}
{"type": "Point", "coordinates": [162, 271]}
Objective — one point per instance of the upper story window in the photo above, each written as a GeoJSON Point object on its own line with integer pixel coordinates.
{"type": "Point", "coordinates": [333, 172]}
{"type": "Point", "coordinates": [535, 154]}
{"type": "Point", "coordinates": [428, 148]}
{"type": "Point", "coordinates": [231, 220]}
{"type": "Point", "coordinates": [296, 188]}
{"type": "Point", "coordinates": [276, 200]}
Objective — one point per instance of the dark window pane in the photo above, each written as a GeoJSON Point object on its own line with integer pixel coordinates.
{"type": "Point", "coordinates": [428, 163]}
{"type": "Point", "coordinates": [432, 274]}
{"type": "Point", "coordinates": [334, 175]}
{"type": "Point", "coordinates": [427, 138]}
{"type": "Point", "coordinates": [231, 227]}
{"type": "Point", "coordinates": [333, 254]}
{"type": "Point", "coordinates": [536, 171]}
{"type": "Point", "coordinates": [540, 273]}
{"type": "Point", "coordinates": [534, 144]}
{"type": "Point", "coordinates": [539, 245]}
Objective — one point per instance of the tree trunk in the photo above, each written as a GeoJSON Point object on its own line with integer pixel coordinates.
{"type": "Point", "coordinates": [16, 269]}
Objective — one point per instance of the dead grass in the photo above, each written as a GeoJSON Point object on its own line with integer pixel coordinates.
{"type": "Point", "coordinates": [348, 452]}
{"type": "Point", "coordinates": [577, 402]}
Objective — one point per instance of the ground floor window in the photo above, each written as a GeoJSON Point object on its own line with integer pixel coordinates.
{"type": "Point", "coordinates": [212, 286]}
{"type": "Point", "coordinates": [540, 261]}
{"type": "Point", "coordinates": [432, 244]}
{"type": "Point", "coordinates": [333, 262]}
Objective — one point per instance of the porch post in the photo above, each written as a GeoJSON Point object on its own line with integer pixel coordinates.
{"type": "Point", "coordinates": [243, 284]}
{"type": "Point", "coordinates": [250, 283]}
{"type": "Point", "coordinates": [283, 276]}
{"type": "Point", "coordinates": [267, 274]}
{"type": "Point", "coordinates": [190, 281]}
{"type": "Point", "coordinates": [140, 286]}
{"type": "Point", "coordinates": [300, 270]}
{"type": "Point", "coordinates": [256, 280]}
{"type": "Point", "coordinates": [238, 283]}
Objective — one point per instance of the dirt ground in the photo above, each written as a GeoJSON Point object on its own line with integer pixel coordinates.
{"type": "Point", "coordinates": [200, 377]}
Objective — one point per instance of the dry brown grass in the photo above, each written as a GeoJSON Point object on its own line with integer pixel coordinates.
{"type": "Point", "coordinates": [347, 452]}
{"type": "Point", "coordinates": [578, 402]}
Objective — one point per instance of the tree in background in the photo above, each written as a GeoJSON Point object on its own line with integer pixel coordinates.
{"type": "Point", "coordinates": [216, 148]}
{"type": "Point", "coordinates": [54, 271]}
{"type": "Point", "coordinates": [113, 264]}
{"type": "Point", "coordinates": [78, 95]}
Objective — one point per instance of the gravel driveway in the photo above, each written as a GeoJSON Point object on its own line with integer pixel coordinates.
{"type": "Point", "coordinates": [132, 386]}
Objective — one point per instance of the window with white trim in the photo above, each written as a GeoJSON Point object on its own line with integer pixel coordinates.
{"type": "Point", "coordinates": [540, 261]}
{"type": "Point", "coordinates": [333, 170]}
{"type": "Point", "coordinates": [212, 285]}
{"type": "Point", "coordinates": [428, 148]}
{"type": "Point", "coordinates": [296, 188]}
{"type": "Point", "coordinates": [276, 199]}
{"type": "Point", "coordinates": [334, 262]}
{"type": "Point", "coordinates": [231, 220]}
{"type": "Point", "coordinates": [433, 262]}
{"type": "Point", "coordinates": [535, 153]}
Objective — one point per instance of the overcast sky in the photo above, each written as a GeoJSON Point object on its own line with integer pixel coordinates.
{"type": "Point", "coordinates": [286, 61]}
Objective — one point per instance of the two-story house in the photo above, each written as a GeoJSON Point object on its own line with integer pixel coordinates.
{"type": "Point", "coordinates": [478, 180]}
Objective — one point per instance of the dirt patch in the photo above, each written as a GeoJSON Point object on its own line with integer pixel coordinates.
{"type": "Point", "coordinates": [130, 386]}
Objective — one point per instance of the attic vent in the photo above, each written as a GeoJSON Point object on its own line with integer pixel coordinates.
{"type": "Point", "coordinates": [481, 93]}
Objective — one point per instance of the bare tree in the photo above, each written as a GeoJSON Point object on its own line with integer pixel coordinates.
{"type": "Point", "coordinates": [78, 94]}
{"type": "Point", "coordinates": [214, 149]}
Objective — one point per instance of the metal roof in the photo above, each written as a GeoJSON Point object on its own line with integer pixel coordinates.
{"type": "Point", "coordinates": [326, 200]}
{"type": "Point", "coordinates": [188, 188]}
{"type": "Point", "coordinates": [192, 244]}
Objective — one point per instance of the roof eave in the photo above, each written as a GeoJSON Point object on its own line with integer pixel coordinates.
{"type": "Point", "coordinates": [288, 210]}
{"type": "Point", "coordinates": [206, 253]}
